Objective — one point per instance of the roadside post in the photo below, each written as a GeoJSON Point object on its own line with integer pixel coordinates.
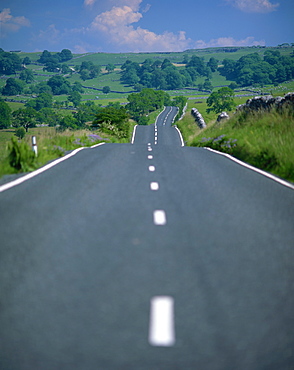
{"type": "Point", "coordinates": [34, 144]}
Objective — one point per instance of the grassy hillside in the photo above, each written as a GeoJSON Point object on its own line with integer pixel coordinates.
{"type": "Point", "coordinates": [120, 91]}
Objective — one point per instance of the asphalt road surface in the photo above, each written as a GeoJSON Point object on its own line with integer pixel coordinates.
{"type": "Point", "coordinates": [148, 255]}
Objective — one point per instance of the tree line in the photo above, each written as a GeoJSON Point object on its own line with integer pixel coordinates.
{"type": "Point", "coordinates": [252, 69]}
{"type": "Point", "coordinates": [165, 75]}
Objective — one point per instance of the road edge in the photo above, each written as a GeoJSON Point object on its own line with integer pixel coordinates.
{"type": "Point", "coordinates": [255, 169]}
{"type": "Point", "coordinates": [30, 175]}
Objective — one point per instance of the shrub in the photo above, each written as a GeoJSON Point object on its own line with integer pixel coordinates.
{"type": "Point", "coordinates": [21, 157]}
{"type": "Point", "coordinates": [20, 132]}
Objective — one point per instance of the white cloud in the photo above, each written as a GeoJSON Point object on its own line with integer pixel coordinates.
{"type": "Point", "coordinates": [9, 23]}
{"type": "Point", "coordinates": [51, 35]}
{"type": "Point", "coordinates": [89, 2]}
{"type": "Point", "coordinates": [254, 6]}
{"type": "Point", "coordinates": [117, 25]}
{"type": "Point", "coordinates": [228, 41]}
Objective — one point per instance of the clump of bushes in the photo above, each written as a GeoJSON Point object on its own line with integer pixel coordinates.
{"type": "Point", "coordinates": [21, 157]}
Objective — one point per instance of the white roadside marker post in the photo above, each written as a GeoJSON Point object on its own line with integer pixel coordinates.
{"type": "Point", "coordinates": [34, 144]}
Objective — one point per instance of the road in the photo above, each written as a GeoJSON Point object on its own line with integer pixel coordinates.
{"type": "Point", "coordinates": [148, 255]}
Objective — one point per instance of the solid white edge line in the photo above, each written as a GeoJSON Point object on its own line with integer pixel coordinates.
{"type": "Point", "coordinates": [159, 115]}
{"type": "Point", "coordinates": [255, 169]}
{"type": "Point", "coordinates": [161, 323]}
{"type": "Point", "coordinates": [134, 133]}
{"type": "Point", "coordinates": [180, 134]}
{"type": "Point", "coordinates": [42, 169]}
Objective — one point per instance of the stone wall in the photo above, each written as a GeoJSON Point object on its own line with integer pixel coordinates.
{"type": "Point", "coordinates": [198, 118]}
{"type": "Point", "coordinates": [268, 102]}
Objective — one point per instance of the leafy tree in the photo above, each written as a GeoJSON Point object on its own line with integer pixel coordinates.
{"type": "Point", "coordinates": [59, 85]}
{"type": "Point", "coordinates": [46, 55]}
{"type": "Point", "coordinates": [27, 76]}
{"type": "Point", "coordinates": [20, 132]}
{"type": "Point", "coordinates": [43, 100]}
{"type": "Point", "coordinates": [212, 64]}
{"type": "Point", "coordinates": [88, 70]}
{"type": "Point", "coordinates": [130, 77]}
{"type": "Point", "coordinates": [75, 98]}
{"type": "Point", "coordinates": [5, 114]}
{"type": "Point", "coordinates": [68, 121]}
{"type": "Point", "coordinates": [13, 87]}
{"type": "Point", "coordinates": [65, 55]}
{"type": "Point", "coordinates": [84, 74]}
{"type": "Point", "coordinates": [106, 89]}
{"type": "Point", "coordinates": [77, 86]}
{"type": "Point", "coordinates": [24, 117]}
{"type": "Point", "coordinates": [86, 112]}
{"type": "Point", "coordinates": [49, 116]}
{"type": "Point", "coordinates": [148, 100]}
{"type": "Point", "coordinates": [26, 61]}
{"type": "Point", "coordinates": [174, 80]}
{"type": "Point", "coordinates": [41, 87]}
{"type": "Point", "coordinates": [10, 63]}
{"type": "Point", "coordinates": [65, 69]}
{"type": "Point", "coordinates": [207, 85]}
{"type": "Point", "coordinates": [110, 67]}
{"type": "Point", "coordinates": [221, 100]}
{"type": "Point", "coordinates": [113, 119]}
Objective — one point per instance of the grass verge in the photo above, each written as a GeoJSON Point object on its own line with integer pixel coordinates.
{"type": "Point", "coordinates": [51, 145]}
{"type": "Point", "coordinates": [264, 140]}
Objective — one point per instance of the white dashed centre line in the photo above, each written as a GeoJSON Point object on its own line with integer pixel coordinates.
{"type": "Point", "coordinates": [149, 149]}
{"type": "Point", "coordinates": [161, 325]}
{"type": "Point", "coordinates": [150, 156]}
{"type": "Point", "coordinates": [151, 168]}
{"type": "Point", "coordinates": [159, 217]}
{"type": "Point", "coordinates": [154, 186]}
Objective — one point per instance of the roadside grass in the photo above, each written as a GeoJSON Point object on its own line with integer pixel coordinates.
{"type": "Point", "coordinates": [264, 140]}
{"type": "Point", "coordinates": [53, 144]}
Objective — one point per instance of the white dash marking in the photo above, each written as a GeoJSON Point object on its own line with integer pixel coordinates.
{"type": "Point", "coordinates": [159, 217]}
{"type": "Point", "coordinates": [151, 168]}
{"type": "Point", "coordinates": [154, 186]}
{"type": "Point", "coordinates": [150, 156]}
{"type": "Point", "coordinates": [149, 149]}
{"type": "Point", "coordinates": [161, 325]}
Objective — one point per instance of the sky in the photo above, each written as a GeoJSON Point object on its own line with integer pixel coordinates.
{"type": "Point", "coordinates": [143, 25]}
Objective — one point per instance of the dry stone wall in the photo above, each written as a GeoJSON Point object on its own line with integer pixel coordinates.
{"type": "Point", "coordinates": [198, 118]}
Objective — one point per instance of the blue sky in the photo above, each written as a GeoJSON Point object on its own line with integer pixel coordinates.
{"type": "Point", "coordinates": [143, 25]}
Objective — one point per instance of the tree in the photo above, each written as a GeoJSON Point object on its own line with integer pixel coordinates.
{"type": "Point", "coordinates": [5, 113]}
{"type": "Point", "coordinates": [75, 98]}
{"type": "Point", "coordinates": [65, 55]}
{"type": "Point", "coordinates": [27, 76]}
{"type": "Point", "coordinates": [26, 61]}
{"type": "Point", "coordinates": [13, 87]}
{"type": "Point", "coordinates": [20, 132]}
{"type": "Point", "coordinates": [110, 67]}
{"type": "Point", "coordinates": [112, 115]}
{"type": "Point", "coordinates": [106, 90]}
{"type": "Point", "coordinates": [207, 85]}
{"type": "Point", "coordinates": [24, 117]}
{"type": "Point", "coordinates": [49, 117]}
{"type": "Point", "coordinates": [59, 85]}
{"type": "Point", "coordinates": [212, 64]}
{"type": "Point", "coordinates": [221, 100]}
{"type": "Point", "coordinates": [43, 100]}
{"type": "Point", "coordinates": [9, 63]}
{"type": "Point", "coordinates": [77, 86]}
